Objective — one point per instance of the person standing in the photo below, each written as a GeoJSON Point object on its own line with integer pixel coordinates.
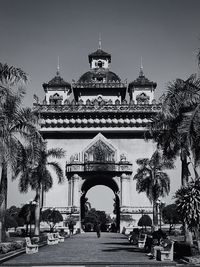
{"type": "Point", "coordinates": [71, 228]}
{"type": "Point", "coordinates": [98, 230]}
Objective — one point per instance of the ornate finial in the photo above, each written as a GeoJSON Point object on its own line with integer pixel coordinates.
{"type": "Point", "coordinates": [141, 68]}
{"type": "Point", "coordinates": [99, 41]}
{"type": "Point", "coordinates": [58, 67]}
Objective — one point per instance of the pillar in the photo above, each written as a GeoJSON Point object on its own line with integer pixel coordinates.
{"type": "Point", "coordinates": [69, 192]}
{"type": "Point", "coordinates": [75, 188]}
{"type": "Point", "coordinates": [125, 190]}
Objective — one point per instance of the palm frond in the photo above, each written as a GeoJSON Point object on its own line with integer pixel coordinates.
{"type": "Point", "coordinates": [11, 75]}
{"type": "Point", "coordinates": [56, 153]}
{"type": "Point", "coordinates": [57, 168]}
{"type": "Point", "coordinates": [48, 182]}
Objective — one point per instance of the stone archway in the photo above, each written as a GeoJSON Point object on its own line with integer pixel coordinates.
{"type": "Point", "coordinates": [100, 163]}
{"type": "Point", "coordinates": [106, 181]}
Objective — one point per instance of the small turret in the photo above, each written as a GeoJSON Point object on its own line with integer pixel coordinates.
{"type": "Point", "coordinates": [57, 90]}
{"type": "Point", "coordinates": [141, 90]}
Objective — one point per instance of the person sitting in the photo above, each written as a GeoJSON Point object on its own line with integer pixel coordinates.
{"type": "Point", "coordinates": [164, 244]}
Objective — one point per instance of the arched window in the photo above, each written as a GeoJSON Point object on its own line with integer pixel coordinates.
{"type": "Point", "coordinates": [56, 99]}
{"type": "Point", "coordinates": [100, 64]}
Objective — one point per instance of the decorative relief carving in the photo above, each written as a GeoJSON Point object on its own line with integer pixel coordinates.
{"type": "Point", "coordinates": [75, 168]}
{"type": "Point", "coordinates": [99, 167]}
{"type": "Point", "coordinates": [74, 158]}
{"type": "Point", "coordinates": [55, 99]}
{"type": "Point", "coordinates": [125, 167]}
{"type": "Point", "coordinates": [142, 98]}
{"type": "Point", "coordinates": [89, 107]}
{"type": "Point", "coordinates": [99, 152]}
{"type": "Point", "coordinates": [122, 158]}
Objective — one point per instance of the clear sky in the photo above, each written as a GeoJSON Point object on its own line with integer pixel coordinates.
{"type": "Point", "coordinates": [35, 32]}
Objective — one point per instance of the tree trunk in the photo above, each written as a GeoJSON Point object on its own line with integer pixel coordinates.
{"type": "Point", "coordinates": [197, 238]}
{"type": "Point", "coordinates": [184, 181]}
{"type": "Point", "coordinates": [188, 236]}
{"type": "Point", "coordinates": [3, 201]}
{"type": "Point", "coordinates": [37, 213]}
{"type": "Point", "coordinates": [26, 229]}
{"type": "Point", "coordinates": [155, 216]}
{"type": "Point", "coordinates": [184, 168]}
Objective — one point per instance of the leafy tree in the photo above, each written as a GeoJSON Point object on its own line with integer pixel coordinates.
{"type": "Point", "coordinates": [52, 217]}
{"type": "Point", "coordinates": [14, 211]}
{"type": "Point", "coordinates": [27, 213]}
{"type": "Point", "coordinates": [188, 206]}
{"type": "Point", "coordinates": [91, 217]}
{"type": "Point", "coordinates": [151, 179]}
{"type": "Point", "coordinates": [94, 216]}
{"type": "Point", "coordinates": [171, 216]}
{"type": "Point", "coordinates": [10, 221]}
{"type": "Point", "coordinates": [145, 221]}
{"type": "Point", "coordinates": [87, 205]}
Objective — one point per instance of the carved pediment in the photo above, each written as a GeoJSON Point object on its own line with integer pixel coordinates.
{"type": "Point", "coordinates": [100, 151]}
{"type": "Point", "coordinates": [99, 156]}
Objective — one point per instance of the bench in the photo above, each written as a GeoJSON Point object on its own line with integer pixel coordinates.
{"type": "Point", "coordinates": [51, 240]}
{"type": "Point", "coordinates": [142, 241]}
{"type": "Point", "coordinates": [166, 254]}
{"type": "Point", "coordinates": [60, 238]}
{"type": "Point", "coordinates": [30, 248]}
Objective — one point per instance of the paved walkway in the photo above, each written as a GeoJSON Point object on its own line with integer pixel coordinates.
{"type": "Point", "coordinates": [87, 250]}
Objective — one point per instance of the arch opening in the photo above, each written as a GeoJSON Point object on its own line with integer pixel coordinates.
{"type": "Point", "coordinates": [109, 183]}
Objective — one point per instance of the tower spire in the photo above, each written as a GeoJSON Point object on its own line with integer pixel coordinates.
{"type": "Point", "coordinates": [58, 66]}
{"type": "Point", "coordinates": [99, 41]}
{"type": "Point", "coordinates": [141, 68]}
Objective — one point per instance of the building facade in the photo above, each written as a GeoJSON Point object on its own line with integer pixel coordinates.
{"type": "Point", "coordinates": [100, 122]}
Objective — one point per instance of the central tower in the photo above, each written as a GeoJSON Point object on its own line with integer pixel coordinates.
{"type": "Point", "coordinates": [99, 82]}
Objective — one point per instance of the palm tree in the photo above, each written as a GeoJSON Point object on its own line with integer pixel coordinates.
{"type": "Point", "coordinates": [176, 127]}
{"type": "Point", "coordinates": [38, 176]}
{"type": "Point", "coordinates": [188, 205]}
{"type": "Point", "coordinates": [16, 128]}
{"type": "Point", "coordinates": [151, 179]}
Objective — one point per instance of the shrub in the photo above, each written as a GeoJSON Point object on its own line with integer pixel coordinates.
{"type": "Point", "coordinates": [182, 249]}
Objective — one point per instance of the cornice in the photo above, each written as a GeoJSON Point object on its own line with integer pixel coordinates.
{"type": "Point", "coordinates": [88, 108]}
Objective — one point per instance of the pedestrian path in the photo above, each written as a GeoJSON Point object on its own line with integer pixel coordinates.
{"type": "Point", "coordinates": [111, 249]}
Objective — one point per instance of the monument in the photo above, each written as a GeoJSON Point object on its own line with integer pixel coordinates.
{"type": "Point", "coordinates": [100, 121]}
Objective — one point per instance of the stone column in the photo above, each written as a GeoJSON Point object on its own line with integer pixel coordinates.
{"type": "Point", "coordinates": [125, 190]}
{"type": "Point", "coordinates": [76, 198]}
{"type": "Point", "coordinates": [69, 192]}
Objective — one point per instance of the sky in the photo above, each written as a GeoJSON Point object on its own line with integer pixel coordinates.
{"type": "Point", "coordinates": [33, 33]}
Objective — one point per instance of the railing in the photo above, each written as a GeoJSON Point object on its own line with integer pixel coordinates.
{"type": "Point", "coordinates": [66, 210]}
{"type": "Point", "coordinates": [98, 166]}
{"type": "Point", "coordinates": [128, 209]}
{"type": "Point", "coordinates": [99, 85]}
{"type": "Point", "coordinates": [137, 210]}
